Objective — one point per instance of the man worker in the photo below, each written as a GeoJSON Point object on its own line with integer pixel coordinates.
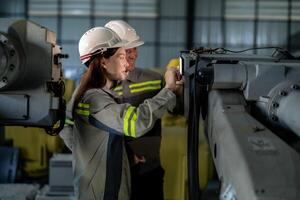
{"type": "Point", "coordinates": [143, 153]}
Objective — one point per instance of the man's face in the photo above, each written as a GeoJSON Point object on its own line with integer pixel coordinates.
{"type": "Point", "coordinates": [131, 56]}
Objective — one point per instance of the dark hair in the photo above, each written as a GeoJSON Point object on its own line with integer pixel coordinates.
{"type": "Point", "coordinates": [95, 76]}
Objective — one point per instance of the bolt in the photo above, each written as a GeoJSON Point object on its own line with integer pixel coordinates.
{"type": "Point", "coordinates": [4, 79]}
{"type": "Point", "coordinates": [11, 67]}
{"type": "Point", "coordinates": [274, 118]}
{"type": "Point", "coordinates": [275, 105]}
{"type": "Point", "coordinates": [295, 87]}
{"type": "Point", "coordinates": [283, 93]}
{"type": "Point", "coordinates": [12, 53]}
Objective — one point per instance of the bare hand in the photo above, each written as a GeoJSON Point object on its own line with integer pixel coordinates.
{"type": "Point", "coordinates": [139, 159]}
{"type": "Point", "coordinates": [174, 81]}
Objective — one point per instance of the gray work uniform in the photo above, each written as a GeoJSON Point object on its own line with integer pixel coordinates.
{"type": "Point", "coordinates": [142, 84]}
{"type": "Point", "coordinates": [101, 169]}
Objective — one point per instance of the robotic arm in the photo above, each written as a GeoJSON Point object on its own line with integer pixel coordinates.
{"type": "Point", "coordinates": [31, 85]}
{"type": "Point", "coordinates": [252, 111]}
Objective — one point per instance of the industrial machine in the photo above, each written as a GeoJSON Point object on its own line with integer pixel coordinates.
{"type": "Point", "coordinates": [250, 107]}
{"type": "Point", "coordinates": [31, 95]}
{"type": "Point", "coordinates": [31, 86]}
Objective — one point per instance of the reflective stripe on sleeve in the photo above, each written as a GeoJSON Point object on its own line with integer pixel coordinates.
{"type": "Point", "coordinates": [69, 122]}
{"type": "Point", "coordinates": [129, 122]}
{"type": "Point", "coordinates": [118, 88]}
{"type": "Point", "coordinates": [147, 88]}
{"type": "Point", "coordinates": [83, 105]}
{"type": "Point", "coordinates": [83, 109]}
{"type": "Point", "coordinates": [135, 85]}
{"type": "Point", "coordinates": [82, 112]}
{"type": "Point", "coordinates": [132, 124]}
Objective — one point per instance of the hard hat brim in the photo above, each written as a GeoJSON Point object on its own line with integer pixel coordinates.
{"type": "Point", "coordinates": [134, 44]}
{"type": "Point", "coordinates": [122, 43]}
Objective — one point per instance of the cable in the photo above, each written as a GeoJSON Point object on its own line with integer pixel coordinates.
{"type": "Point", "coordinates": [223, 50]}
{"type": "Point", "coordinates": [193, 142]}
{"type": "Point", "coordinates": [59, 125]}
{"type": "Point", "coordinates": [58, 89]}
{"type": "Point", "coordinates": [220, 50]}
{"type": "Point", "coordinates": [202, 50]}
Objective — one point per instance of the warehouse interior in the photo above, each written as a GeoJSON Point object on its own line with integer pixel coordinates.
{"type": "Point", "coordinates": [170, 29]}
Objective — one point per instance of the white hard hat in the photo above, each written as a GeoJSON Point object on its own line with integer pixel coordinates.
{"type": "Point", "coordinates": [125, 32]}
{"type": "Point", "coordinates": [98, 40]}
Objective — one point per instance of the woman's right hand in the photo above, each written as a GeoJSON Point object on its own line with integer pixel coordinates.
{"type": "Point", "coordinates": [174, 81]}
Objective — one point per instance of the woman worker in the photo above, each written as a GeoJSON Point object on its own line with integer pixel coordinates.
{"type": "Point", "coordinates": [101, 169]}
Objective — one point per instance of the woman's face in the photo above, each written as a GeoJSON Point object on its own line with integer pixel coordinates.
{"type": "Point", "coordinates": [117, 66]}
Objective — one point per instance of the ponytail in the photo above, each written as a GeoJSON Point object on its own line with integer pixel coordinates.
{"type": "Point", "coordinates": [94, 77]}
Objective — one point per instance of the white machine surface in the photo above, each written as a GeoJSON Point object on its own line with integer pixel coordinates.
{"type": "Point", "coordinates": [18, 191]}
{"type": "Point", "coordinates": [60, 179]}
{"type": "Point", "coordinates": [251, 107]}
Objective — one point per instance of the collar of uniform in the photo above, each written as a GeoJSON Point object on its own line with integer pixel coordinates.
{"type": "Point", "coordinates": [134, 75]}
{"type": "Point", "coordinates": [109, 91]}
{"type": "Point", "coordinates": [112, 94]}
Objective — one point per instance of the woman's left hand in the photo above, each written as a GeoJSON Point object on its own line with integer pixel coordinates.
{"type": "Point", "coordinates": [139, 159]}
